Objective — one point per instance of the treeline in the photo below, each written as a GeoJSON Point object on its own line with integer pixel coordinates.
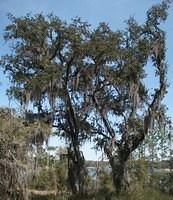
{"type": "Point", "coordinates": [85, 85]}
{"type": "Point", "coordinates": [29, 171]}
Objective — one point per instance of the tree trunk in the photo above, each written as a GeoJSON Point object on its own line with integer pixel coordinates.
{"type": "Point", "coordinates": [76, 171]}
{"type": "Point", "coordinates": [120, 171]}
{"type": "Point", "coordinates": [71, 172]}
{"type": "Point", "coordinates": [81, 176]}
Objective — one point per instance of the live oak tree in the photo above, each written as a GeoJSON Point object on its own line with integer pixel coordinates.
{"type": "Point", "coordinates": [44, 68]}
{"type": "Point", "coordinates": [124, 107]}
{"type": "Point", "coordinates": [94, 81]}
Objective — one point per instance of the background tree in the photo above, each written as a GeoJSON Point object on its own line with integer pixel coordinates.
{"type": "Point", "coordinates": [14, 146]}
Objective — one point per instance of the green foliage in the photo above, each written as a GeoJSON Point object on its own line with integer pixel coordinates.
{"type": "Point", "coordinates": [140, 171]}
{"type": "Point", "coordinates": [44, 180]}
{"type": "Point", "coordinates": [145, 194]}
{"type": "Point", "coordinates": [105, 182]}
{"type": "Point", "coordinates": [13, 155]}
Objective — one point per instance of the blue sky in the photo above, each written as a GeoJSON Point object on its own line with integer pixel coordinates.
{"type": "Point", "coordinates": [113, 12]}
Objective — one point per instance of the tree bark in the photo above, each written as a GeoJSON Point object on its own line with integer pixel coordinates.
{"type": "Point", "coordinates": [119, 161]}
{"type": "Point", "coordinates": [120, 174]}
{"type": "Point", "coordinates": [76, 171]}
